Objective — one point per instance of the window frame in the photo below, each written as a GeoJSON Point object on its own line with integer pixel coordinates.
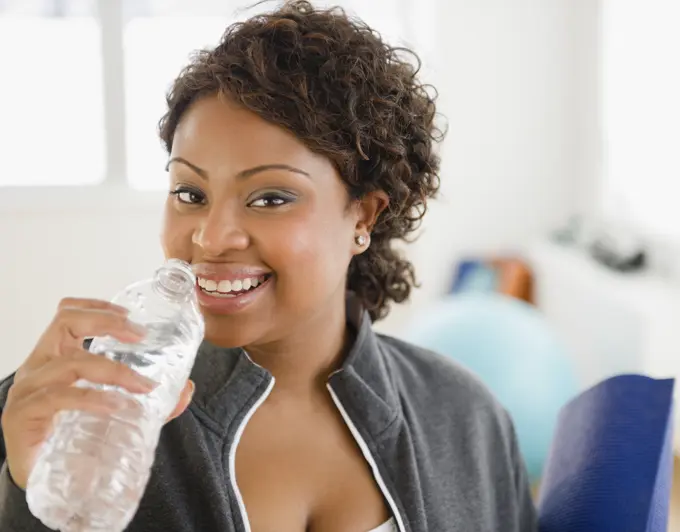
{"type": "Point", "coordinates": [17, 199]}
{"type": "Point", "coordinates": [115, 193]}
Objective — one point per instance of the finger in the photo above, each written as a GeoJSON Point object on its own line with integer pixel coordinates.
{"type": "Point", "coordinates": [92, 368]}
{"type": "Point", "coordinates": [91, 304]}
{"type": "Point", "coordinates": [184, 400]}
{"type": "Point", "coordinates": [81, 323]}
{"type": "Point", "coordinates": [72, 325]}
{"type": "Point", "coordinates": [43, 404]}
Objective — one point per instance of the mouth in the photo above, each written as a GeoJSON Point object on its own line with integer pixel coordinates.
{"type": "Point", "coordinates": [232, 288]}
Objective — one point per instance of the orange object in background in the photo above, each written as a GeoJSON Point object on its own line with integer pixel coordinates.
{"type": "Point", "coordinates": [510, 276]}
{"type": "Point", "coordinates": [515, 278]}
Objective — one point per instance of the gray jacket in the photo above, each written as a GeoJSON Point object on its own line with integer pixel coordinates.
{"type": "Point", "coordinates": [442, 449]}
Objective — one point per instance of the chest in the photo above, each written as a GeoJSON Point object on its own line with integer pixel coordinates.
{"type": "Point", "coordinates": [302, 471]}
{"type": "Point", "coordinates": [298, 468]}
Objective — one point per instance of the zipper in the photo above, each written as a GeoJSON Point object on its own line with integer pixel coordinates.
{"type": "Point", "coordinates": [232, 454]}
{"type": "Point", "coordinates": [369, 458]}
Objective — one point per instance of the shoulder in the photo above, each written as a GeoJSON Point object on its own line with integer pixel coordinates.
{"type": "Point", "coordinates": [433, 374]}
{"type": "Point", "coordinates": [460, 427]}
{"type": "Point", "coordinates": [439, 389]}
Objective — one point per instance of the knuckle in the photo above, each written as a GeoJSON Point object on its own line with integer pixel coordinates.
{"type": "Point", "coordinates": [119, 321]}
{"type": "Point", "coordinates": [11, 395]}
{"type": "Point", "coordinates": [122, 371]}
{"type": "Point", "coordinates": [16, 390]}
{"type": "Point", "coordinates": [65, 302]}
{"type": "Point", "coordinates": [64, 314]}
{"type": "Point", "coordinates": [6, 418]}
{"type": "Point", "coordinates": [22, 374]}
{"type": "Point", "coordinates": [72, 352]}
{"type": "Point", "coordinates": [82, 393]}
{"type": "Point", "coordinates": [91, 395]}
{"type": "Point", "coordinates": [74, 367]}
{"type": "Point", "coordinates": [44, 393]}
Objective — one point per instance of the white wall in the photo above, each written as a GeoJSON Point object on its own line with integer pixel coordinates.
{"type": "Point", "coordinates": [519, 85]}
{"type": "Point", "coordinates": [55, 245]}
{"type": "Point", "coordinates": [515, 80]}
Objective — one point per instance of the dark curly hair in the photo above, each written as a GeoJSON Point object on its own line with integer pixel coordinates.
{"type": "Point", "coordinates": [334, 83]}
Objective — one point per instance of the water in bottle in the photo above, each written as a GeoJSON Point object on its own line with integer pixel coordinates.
{"type": "Point", "coordinates": [92, 472]}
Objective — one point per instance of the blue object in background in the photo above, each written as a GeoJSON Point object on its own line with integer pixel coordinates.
{"type": "Point", "coordinates": [510, 346]}
{"type": "Point", "coordinates": [474, 276]}
{"type": "Point", "coordinates": [611, 464]}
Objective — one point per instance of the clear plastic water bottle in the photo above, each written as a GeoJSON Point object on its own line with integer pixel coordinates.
{"type": "Point", "coordinates": [91, 473]}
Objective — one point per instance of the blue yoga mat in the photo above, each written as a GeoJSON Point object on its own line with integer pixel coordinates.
{"type": "Point", "coordinates": [611, 462]}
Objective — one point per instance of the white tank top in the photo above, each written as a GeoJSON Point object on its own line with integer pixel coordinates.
{"type": "Point", "coordinates": [386, 527]}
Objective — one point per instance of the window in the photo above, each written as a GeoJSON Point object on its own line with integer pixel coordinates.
{"type": "Point", "coordinates": [641, 113]}
{"type": "Point", "coordinates": [157, 44]}
{"type": "Point", "coordinates": [52, 129]}
{"type": "Point", "coordinates": [84, 81]}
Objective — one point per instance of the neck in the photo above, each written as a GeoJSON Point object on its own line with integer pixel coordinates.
{"type": "Point", "coordinates": [302, 362]}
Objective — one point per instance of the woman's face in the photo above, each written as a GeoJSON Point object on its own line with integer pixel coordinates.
{"type": "Point", "coordinates": [264, 221]}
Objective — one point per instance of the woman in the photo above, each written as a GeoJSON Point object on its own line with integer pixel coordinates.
{"type": "Point", "coordinates": [299, 150]}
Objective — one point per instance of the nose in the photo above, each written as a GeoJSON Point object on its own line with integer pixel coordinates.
{"type": "Point", "coordinates": [220, 232]}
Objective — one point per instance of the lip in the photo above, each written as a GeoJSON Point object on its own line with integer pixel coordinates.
{"type": "Point", "coordinates": [231, 305]}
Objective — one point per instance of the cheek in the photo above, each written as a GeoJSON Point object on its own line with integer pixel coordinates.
{"type": "Point", "coordinates": [176, 235]}
{"type": "Point", "coordinates": [308, 250]}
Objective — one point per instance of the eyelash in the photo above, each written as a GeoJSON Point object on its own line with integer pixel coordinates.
{"type": "Point", "coordinates": [197, 197]}
{"type": "Point", "coordinates": [193, 195]}
{"type": "Point", "coordinates": [278, 197]}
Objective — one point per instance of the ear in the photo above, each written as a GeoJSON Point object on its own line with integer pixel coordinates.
{"type": "Point", "coordinates": [367, 210]}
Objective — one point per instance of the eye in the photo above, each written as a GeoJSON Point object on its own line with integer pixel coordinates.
{"type": "Point", "coordinates": [188, 196]}
{"type": "Point", "coordinates": [272, 199]}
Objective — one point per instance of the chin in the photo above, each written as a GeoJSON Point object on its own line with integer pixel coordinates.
{"type": "Point", "coordinates": [230, 332]}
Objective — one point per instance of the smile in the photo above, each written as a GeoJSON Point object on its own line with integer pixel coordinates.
{"type": "Point", "coordinates": [231, 288]}
{"type": "Point", "coordinates": [227, 296]}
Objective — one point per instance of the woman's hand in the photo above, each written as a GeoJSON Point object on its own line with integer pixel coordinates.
{"type": "Point", "coordinates": [43, 385]}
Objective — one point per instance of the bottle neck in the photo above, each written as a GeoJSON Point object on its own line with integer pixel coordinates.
{"type": "Point", "coordinates": [175, 281]}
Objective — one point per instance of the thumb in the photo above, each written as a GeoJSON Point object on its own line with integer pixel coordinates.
{"type": "Point", "coordinates": [184, 400]}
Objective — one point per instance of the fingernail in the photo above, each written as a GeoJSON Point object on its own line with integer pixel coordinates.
{"type": "Point", "coordinates": [147, 383]}
{"type": "Point", "coordinates": [120, 310]}
{"type": "Point", "coordinates": [193, 389]}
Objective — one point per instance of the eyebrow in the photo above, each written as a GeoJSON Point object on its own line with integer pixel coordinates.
{"type": "Point", "coordinates": [243, 173]}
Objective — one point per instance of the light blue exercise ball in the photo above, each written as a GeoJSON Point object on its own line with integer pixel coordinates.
{"type": "Point", "coordinates": [509, 345]}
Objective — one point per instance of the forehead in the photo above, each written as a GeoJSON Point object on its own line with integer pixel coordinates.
{"type": "Point", "coordinates": [215, 131]}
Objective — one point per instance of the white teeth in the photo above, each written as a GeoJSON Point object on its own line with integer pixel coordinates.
{"type": "Point", "coordinates": [224, 287]}
{"type": "Point", "coordinates": [223, 296]}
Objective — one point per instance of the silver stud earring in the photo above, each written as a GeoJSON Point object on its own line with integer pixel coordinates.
{"type": "Point", "coordinates": [360, 240]}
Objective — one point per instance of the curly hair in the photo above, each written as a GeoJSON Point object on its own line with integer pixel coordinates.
{"type": "Point", "coordinates": [346, 94]}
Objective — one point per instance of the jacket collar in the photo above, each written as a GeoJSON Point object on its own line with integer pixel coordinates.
{"type": "Point", "coordinates": [228, 382]}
